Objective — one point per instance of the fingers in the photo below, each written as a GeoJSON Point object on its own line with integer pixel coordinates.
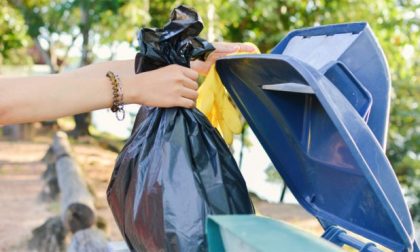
{"type": "Point", "coordinates": [215, 56]}
{"type": "Point", "coordinates": [190, 73]}
{"type": "Point", "coordinates": [170, 86]}
{"type": "Point", "coordinates": [226, 47]}
{"type": "Point", "coordinates": [185, 102]}
{"type": "Point", "coordinates": [189, 78]}
{"type": "Point", "coordinates": [189, 94]}
{"type": "Point", "coordinates": [186, 98]}
{"type": "Point", "coordinates": [188, 83]}
{"type": "Point", "coordinates": [244, 47]}
{"type": "Point", "coordinates": [222, 47]}
{"type": "Point", "coordinates": [185, 71]}
{"type": "Point", "coordinates": [200, 66]}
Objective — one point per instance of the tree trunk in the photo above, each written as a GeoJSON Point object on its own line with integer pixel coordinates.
{"type": "Point", "coordinates": [77, 207]}
{"type": "Point", "coordinates": [283, 192]}
{"type": "Point", "coordinates": [18, 132]}
{"type": "Point", "coordinates": [46, 55]}
{"type": "Point", "coordinates": [241, 151]}
{"type": "Point", "coordinates": [50, 237]}
{"type": "Point", "coordinates": [50, 190]}
{"type": "Point", "coordinates": [211, 12]}
{"type": "Point", "coordinates": [83, 120]}
{"type": "Point", "coordinates": [49, 57]}
{"type": "Point", "coordinates": [88, 240]}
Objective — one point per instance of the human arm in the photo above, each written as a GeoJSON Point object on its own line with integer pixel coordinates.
{"type": "Point", "coordinates": [37, 98]}
{"type": "Point", "coordinates": [221, 49]}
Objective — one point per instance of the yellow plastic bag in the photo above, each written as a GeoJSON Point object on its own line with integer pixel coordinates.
{"type": "Point", "coordinates": [215, 102]}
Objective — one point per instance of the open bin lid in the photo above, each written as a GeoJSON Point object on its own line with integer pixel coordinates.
{"type": "Point", "coordinates": [319, 107]}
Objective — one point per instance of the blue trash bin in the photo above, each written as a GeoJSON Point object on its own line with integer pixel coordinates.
{"type": "Point", "coordinates": [319, 105]}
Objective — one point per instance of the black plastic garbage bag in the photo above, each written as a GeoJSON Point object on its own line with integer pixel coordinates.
{"type": "Point", "coordinates": [175, 169]}
{"type": "Point", "coordinates": [176, 43]}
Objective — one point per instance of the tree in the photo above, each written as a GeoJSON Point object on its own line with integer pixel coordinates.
{"type": "Point", "coordinates": [396, 24]}
{"type": "Point", "coordinates": [111, 21]}
{"type": "Point", "coordinates": [13, 39]}
{"type": "Point", "coordinates": [51, 26]}
{"type": "Point", "coordinates": [55, 27]}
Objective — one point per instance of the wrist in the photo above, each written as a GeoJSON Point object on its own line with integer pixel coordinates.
{"type": "Point", "coordinates": [131, 86]}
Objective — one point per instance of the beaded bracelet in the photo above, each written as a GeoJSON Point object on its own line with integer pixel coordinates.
{"type": "Point", "coordinates": [117, 102]}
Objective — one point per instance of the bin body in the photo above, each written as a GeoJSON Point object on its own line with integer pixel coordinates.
{"type": "Point", "coordinates": [250, 233]}
{"type": "Point", "coordinates": [319, 105]}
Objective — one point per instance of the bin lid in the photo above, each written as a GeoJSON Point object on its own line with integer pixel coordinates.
{"type": "Point", "coordinates": [314, 119]}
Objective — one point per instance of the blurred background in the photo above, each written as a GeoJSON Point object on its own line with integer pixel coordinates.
{"type": "Point", "coordinates": [41, 37]}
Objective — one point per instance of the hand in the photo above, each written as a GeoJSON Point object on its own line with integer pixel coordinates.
{"type": "Point", "coordinates": [170, 86]}
{"type": "Point", "coordinates": [222, 49]}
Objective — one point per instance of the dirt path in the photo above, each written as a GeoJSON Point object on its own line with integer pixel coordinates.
{"type": "Point", "coordinates": [20, 184]}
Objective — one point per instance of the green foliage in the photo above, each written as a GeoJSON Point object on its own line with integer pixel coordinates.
{"type": "Point", "coordinates": [415, 209]}
{"type": "Point", "coordinates": [56, 25]}
{"type": "Point", "coordinates": [51, 25]}
{"type": "Point", "coordinates": [396, 23]}
{"type": "Point", "coordinates": [121, 23]}
{"type": "Point", "coordinates": [42, 16]}
{"type": "Point", "coordinates": [12, 35]}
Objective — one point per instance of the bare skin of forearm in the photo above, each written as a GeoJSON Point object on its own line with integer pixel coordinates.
{"type": "Point", "coordinates": [38, 98]}
{"type": "Point", "coordinates": [31, 99]}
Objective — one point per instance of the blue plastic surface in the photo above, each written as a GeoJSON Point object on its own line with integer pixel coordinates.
{"type": "Point", "coordinates": [251, 233]}
{"type": "Point", "coordinates": [365, 60]}
{"type": "Point", "coordinates": [327, 145]}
